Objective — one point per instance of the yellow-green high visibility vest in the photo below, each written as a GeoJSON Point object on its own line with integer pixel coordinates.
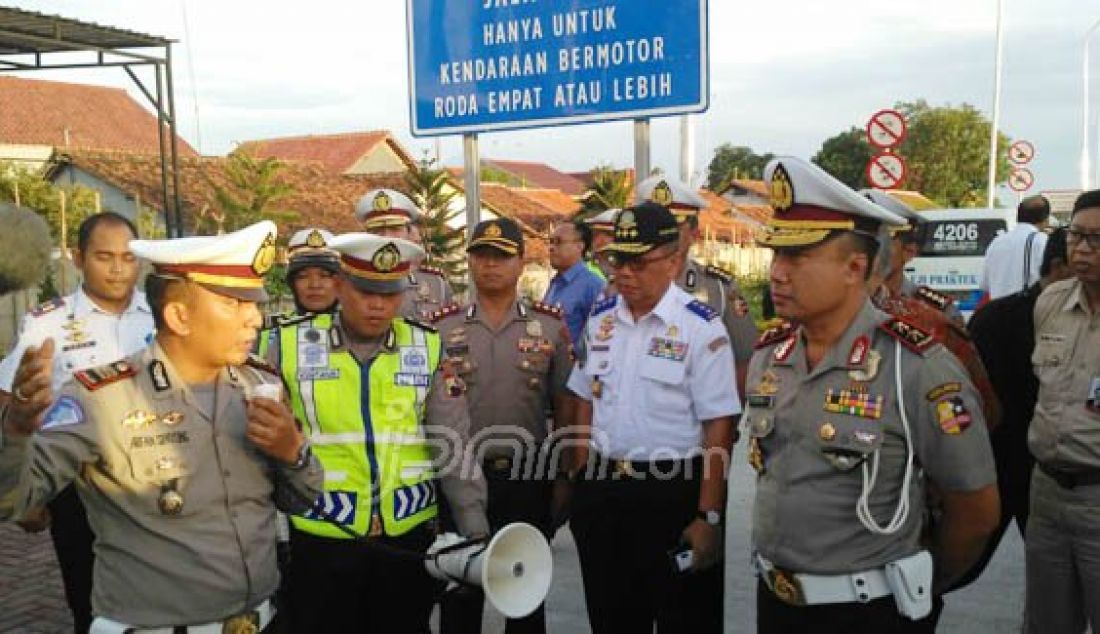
{"type": "Point", "coordinates": [364, 425]}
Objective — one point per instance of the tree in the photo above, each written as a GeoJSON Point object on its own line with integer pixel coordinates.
{"type": "Point", "coordinates": [946, 151]}
{"type": "Point", "coordinates": [845, 156]}
{"type": "Point", "coordinates": [430, 189]}
{"type": "Point", "coordinates": [611, 189]}
{"type": "Point", "coordinates": [32, 191]}
{"type": "Point", "coordinates": [734, 161]}
{"type": "Point", "coordinates": [253, 196]}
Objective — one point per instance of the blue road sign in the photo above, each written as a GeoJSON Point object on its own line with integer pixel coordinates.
{"type": "Point", "coordinates": [483, 65]}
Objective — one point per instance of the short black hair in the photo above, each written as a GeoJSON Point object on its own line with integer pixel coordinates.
{"type": "Point", "coordinates": [1087, 200]}
{"type": "Point", "coordinates": [84, 234]}
{"type": "Point", "coordinates": [1033, 210]}
{"type": "Point", "coordinates": [1055, 250]}
{"type": "Point", "coordinates": [159, 290]}
{"type": "Point", "coordinates": [866, 244]}
{"type": "Point", "coordinates": [585, 234]}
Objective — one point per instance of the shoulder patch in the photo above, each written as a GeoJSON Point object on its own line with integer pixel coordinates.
{"type": "Point", "coordinates": [450, 309]}
{"type": "Point", "coordinates": [94, 378]}
{"type": "Point", "coordinates": [910, 335]}
{"type": "Point", "coordinates": [431, 270]}
{"type": "Point", "coordinates": [605, 304]}
{"type": "Point", "coordinates": [546, 309]}
{"type": "Point", "coordinates": [260, 363]}
{"type": "Point", "coordinates": [47, 307]}
{"type": "Point", "coordinates": [64, 412]}
{"type": "Point", "coordinates": [938, 300]}
{"type": "Point", "coordinates": [703, 310]}
{"type": "Point", "coordinates": [285, 319]}
{"type": "Point", "coordinates": [774, 335]}
{"type": "Point", "coordinates": [416, 323]}
{"type": "Point", "coordinates": [721, 274]}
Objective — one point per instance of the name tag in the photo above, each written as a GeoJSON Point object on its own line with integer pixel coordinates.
{"type": "Point", "coordinates": [408, 379]}
{"type": "Point", "coordinates": [761, 400]}
{"type": "Point", "coordinates": [318, 374]}
{"type": "Point", "coordinates": [77, 346]}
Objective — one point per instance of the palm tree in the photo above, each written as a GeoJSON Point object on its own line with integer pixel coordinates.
{"type": "Point", "coordinates": [610, 189]}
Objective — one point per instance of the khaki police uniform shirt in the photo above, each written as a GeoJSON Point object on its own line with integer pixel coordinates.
{"type": "Point", "coordinates": [122, 443]}
{"type": "Point", "coordinates": [1065, 430]}
{"type": "Point", "coordinates": [811, 432]}
{"type": "Point", "coordinates": [512, 372]}
{"type": "Point", "coordinates": [720, 291]}
{"type": "Point", "coordinates": [427, 292]}
{"type": "Point", "coordinates": [652, 382]}
{"type": "Point", "coordinates": [446, 424]}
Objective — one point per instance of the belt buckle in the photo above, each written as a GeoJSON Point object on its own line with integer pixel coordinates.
{"type": "Point", "coordinates": [622, 468]}
{"type": "Point", "coordinates": [242, 624]}
{"type": "Point", "coordinates": [786, 586]}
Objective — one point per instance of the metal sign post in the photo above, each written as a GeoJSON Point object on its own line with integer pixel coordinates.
{"type": "Point", "coordinates": [641, 153]}
{"type": "Point", "coordinates": [471, 174]}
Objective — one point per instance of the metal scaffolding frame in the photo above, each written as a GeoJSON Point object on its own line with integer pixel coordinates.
{"type": "Point", "coordinates": [32, 41]}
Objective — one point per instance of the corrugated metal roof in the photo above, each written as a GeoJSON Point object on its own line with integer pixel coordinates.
{"type": "Point", "coordinates": [30, 32]}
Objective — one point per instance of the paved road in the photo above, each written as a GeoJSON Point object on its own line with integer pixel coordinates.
{"type": "Point", "coordinates": [30, 589]}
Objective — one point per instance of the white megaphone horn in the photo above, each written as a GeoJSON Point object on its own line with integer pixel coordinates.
{"type": "Point", "coordinates": [514, 569]}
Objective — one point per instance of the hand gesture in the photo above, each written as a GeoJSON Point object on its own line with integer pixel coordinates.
{"type": "Point", "coordinates": [31, 393]}
{"type": "Point", "coordinates": [272, 428]}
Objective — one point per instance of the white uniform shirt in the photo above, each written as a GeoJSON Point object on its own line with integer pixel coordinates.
{"type": "Point", "coordinates": [1003, 272]}
{"type": "Point", "coordinates": [85, 336]}
{"type": "Point", "coordinates": [659, 377]}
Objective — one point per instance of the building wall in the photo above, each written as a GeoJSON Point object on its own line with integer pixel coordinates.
{"type": "Point", "coordinates": [382, 160]}
{"type": "Point", "coordinates": [30, 156]}
{"type": "Point", "coordinates": [111, 198]}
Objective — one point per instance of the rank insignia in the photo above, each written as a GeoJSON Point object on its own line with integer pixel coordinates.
{"type": "Point", "coordinates": [859, 350]}
{"type": "Point", "coordinates": [667, 349]}
{"type": "Point", "coordinates": [138, 419]}
{"type": "Point", "coordinates": [854, 403]}
{"type": "Point", "coordinates": [769, 384]}
{"type": "Point", "coordinates": [783, 350]}
{"type": "Point", "coordinates": [95, 378]}
{"type": "Point", "coordinates": [952, 416]}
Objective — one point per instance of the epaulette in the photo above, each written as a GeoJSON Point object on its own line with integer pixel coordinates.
{"type": "Point", "coordinates": [47, 307]}
{"type": "Point", "coordinates": [285, 319]}
{"type": "Point", "coordinates": [260, 363]}
{"type": "Point", "coordinates": [416, 323]}
{"type": "Point", "coordinates": [910, 335]}
{"type": "Point", "coordinates": [546, 309]}
{"type": "Point", "coordinates": [703, 310]}
{"type": "Point", "coordinates": [605, 304]}
{"type": "Point", "coordinates": [774, 335]}
{"type": "Point", "coordinates": [94, 378]}
{"type": "Point", "coordinates": [450, 309]}
{"type": "Point", "coordinates": [937, 300]}
{"type": "Point", "coordinates": [424, 268]}
{"type": "Point", "coordinates": [721, 274]}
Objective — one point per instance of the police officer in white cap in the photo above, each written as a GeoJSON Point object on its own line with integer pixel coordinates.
{"type": "Point", "coordinates": [603, 232]}
{"type": "Point", "coordinates": [312, 267]}
{"type": "Point", "coordinates": [388, 212]}
{"type": "Point", "coordinates": [851, 414]}
{"type": "Point", "coordinates": [180, 452]}
{"type": "Point", "coordinates": [709, 284]}
{"type": "Point", "coordinates": [907, 239]}
{"type": "Point", "coordinates": [389, 422]}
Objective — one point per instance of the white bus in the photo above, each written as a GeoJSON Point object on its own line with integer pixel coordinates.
{"type": "Point", "coordinates": [952, 252]}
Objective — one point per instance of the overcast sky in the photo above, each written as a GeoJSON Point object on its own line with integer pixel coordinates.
{"type": "Point", "coordinates": [785, 74]}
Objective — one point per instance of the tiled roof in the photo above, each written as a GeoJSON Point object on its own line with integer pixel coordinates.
{"type": "Point", "coordinates": [539, 175]}
{"type": "Point", "coordinates": [516, 203]}
{"type": "Point", "coordinates": [77, 116]}
{"type": "Point", "coordinates": [336, 152]}
{"type": "Point", "coordinates": [719, 222]}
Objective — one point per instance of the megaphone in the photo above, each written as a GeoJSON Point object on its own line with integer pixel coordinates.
{"type": "Point", "coordinates": [514, 569]}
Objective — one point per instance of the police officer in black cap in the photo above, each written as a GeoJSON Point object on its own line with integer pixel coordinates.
{"type": "Point", "coordinates": [656, 419]}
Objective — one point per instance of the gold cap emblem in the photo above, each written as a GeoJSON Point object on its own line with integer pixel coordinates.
{"type": "Point", "coordinates": [492, 231]}
{"type": "Point", "coordinates": [387, 258]}
{"type": "Point", "coordinates": [382, 202]}
{"type": "Point", "coordinates": [315, 240]}
{"type": "Point", "coordinates": [627, 226]}
{"type": "Point", "coordinates": [662, 194]}
{"type": "Point", "coordinates": [265, 256]}
{"type": "Point", "coordinates": [782, 190]}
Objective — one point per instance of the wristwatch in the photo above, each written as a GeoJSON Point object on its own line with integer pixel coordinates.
{"type": "Point", "coordinates": [304, 452]}
{"type": "Point", "coordinates": [711, 517]}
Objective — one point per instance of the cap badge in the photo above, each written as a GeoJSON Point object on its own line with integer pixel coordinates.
{"type": "Point", "coordinates": [492, 231]}
{"type": "Point", "coordinates": [662, 194]}
{"type": "Point", "coordinates": [627, 227]}
{"type": "Point", "coordinates": [265, 256]}
{"type": "Point", "coordinates": [315, 240]}
{"type": "Point", "coordinates": [382, 202]}
{"type": "Point", "coordinates": [782, 190]}
{"type": "Point", "coordinates": [387, 258]}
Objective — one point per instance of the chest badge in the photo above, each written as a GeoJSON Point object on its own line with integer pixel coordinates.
{"type": "Point", "coordinates": [870, 368]}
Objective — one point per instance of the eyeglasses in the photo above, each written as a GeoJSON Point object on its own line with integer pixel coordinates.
{"type": "Point", "coordinates": [1075, 236]}
{"type": "Point", "coordinates": [557, 242]}
{"type": "Point", "coordinates": [636, 265]}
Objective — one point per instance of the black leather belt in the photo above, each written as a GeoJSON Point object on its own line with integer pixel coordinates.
{"type": "Point", "coordinates": [1071, 479]}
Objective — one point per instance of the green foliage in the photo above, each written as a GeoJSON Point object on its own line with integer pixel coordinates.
{"type": "Point", "coordinates": [611, 189]}
{"type": "Point", "coordinates": [37, 193]}
{"type": "Point", "coordinates": [430, 189]}
{"type": "Point", "coordinates": [275, 283]}
{"type": "Point", "coordinates": [845, 156]}
{"type": "Point", "coordinates": [254, 196]}
{"type": "Point", "coordinates": [490, 174]}
{"type": "Point", "coordinates": [946, 150]}
{"type": "Point", "coordinates": [735, 161]}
